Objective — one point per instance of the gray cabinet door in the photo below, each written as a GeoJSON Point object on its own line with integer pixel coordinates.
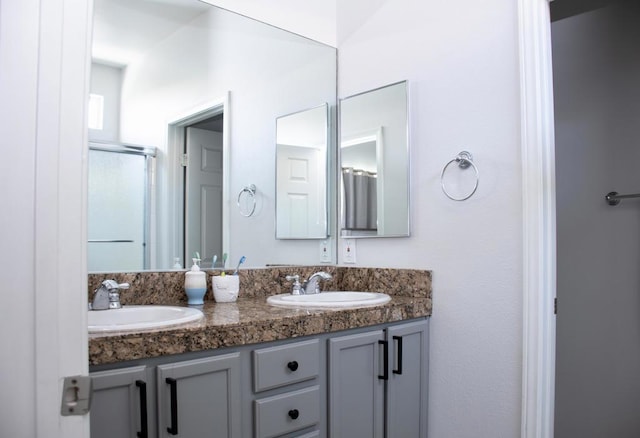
{"type": "Point", "coordinates": [116, 409]}
{"type": "Point", "coordinates": [356, 393]}
{"type": "Point", "coordinates": [408, 380]}
{"type": "Point", "coordinates": [200, 398]}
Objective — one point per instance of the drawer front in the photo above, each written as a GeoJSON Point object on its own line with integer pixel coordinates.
{"type": "Point", "coordinates": [314, 434]}
{"type": "Point", "coordinates": [285, 364]}
{"type": "Point", "coordinates": [287, 412]}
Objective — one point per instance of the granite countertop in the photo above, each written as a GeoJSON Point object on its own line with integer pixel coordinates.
{"type": "Point", "coordinates": [247, 321]}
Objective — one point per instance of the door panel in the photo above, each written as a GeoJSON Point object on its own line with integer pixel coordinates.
{"type": "Point", "coordinates": [356, 394]}
{"type": "Point", "coordinates": [301, 193]}
{"type": "Point", "coordinates": [116, 211]}
{"type": "Point", "coordinates": [203, 198]}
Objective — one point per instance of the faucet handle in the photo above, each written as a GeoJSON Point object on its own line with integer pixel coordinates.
{"type": "Point", "coordinates": [296, 289]}
{"type": "Point", "coordinates": [112, 285]}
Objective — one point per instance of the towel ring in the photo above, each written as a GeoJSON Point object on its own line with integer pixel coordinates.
{"type": "Point", "coordinates": [251, 192]}
{"type": "Point", "coordinates": [464, 160]}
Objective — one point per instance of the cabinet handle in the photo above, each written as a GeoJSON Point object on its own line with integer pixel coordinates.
{"type": "Point", "coordinates": [173, 385]}
{"type": "Point", "coordinates": [293, 365]}
{"type": "Point", "coordinates": [143, 408]}
{"type": "Point", "coordinates": [399, 355]}
{"type": "Point", "coordinates": [294, 414]}
{"type": "Point", "coordinates": [385, 359]}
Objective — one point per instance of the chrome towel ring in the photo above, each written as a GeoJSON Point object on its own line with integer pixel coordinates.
{"type": "Point", "coordinates": [464, 160]}
{"type": "Point", "coordinates": [250, 191]}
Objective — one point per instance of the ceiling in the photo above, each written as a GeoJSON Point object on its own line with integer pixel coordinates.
{"type": "Point", "coordinates": [123, 30]}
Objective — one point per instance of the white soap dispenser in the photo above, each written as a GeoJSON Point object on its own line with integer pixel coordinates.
{"type": "Point", "coordinates": [195, 284]}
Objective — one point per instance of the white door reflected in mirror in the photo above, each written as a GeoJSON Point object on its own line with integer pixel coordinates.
{"type": "Point", "coordinates": [301, 174]}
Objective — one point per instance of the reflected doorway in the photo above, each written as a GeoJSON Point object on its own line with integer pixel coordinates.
{"type": "Point", "coordinates": [203, 185]}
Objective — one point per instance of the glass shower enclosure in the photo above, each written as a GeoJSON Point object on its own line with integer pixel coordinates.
{"type": "Point", "coordinates": [119, 209]}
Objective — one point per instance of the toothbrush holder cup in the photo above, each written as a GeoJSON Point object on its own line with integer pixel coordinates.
{"type": "Point", "coordinates": [225, 289]}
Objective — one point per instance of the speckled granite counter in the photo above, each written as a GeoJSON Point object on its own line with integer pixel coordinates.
{"type": "Point", "coordinates": [251, 320]}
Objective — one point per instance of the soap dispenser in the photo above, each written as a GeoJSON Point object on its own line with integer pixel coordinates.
{"type": "Point", "coordinates": [195, 284]}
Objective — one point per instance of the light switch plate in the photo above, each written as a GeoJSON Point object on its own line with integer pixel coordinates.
{"type": "Point", "coordinates": [348, 251]}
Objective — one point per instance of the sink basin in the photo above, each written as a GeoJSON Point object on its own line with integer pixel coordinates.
{"type": "Point", "coordinates": [333, 299]}
{"type": "Point", "coordinates": [140, 318]}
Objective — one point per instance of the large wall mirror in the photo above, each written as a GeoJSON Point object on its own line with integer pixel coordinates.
{"type": "Point", "coordinates": [374, 162]}
{"type": "Point", "coordinates": [200, 88]}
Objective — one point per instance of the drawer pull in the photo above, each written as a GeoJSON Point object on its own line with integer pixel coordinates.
{"type": "Point", "coordinates": [173, 386]}
{"type": "Point", "coordinates": [293, 365]}
{"type": "Point", "coordinates": [294, 414]}
{"type": "Point", "coordinates": [385, 360]}
{"type": "Point", "coordinates": [399, 369]}
{"type": "Point", "coordinates": [143, 409]}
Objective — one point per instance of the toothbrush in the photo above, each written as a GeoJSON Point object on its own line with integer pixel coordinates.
{"type": "Point", "coordinates": [224, 263]}
{"type": "Point", "coordinates": [241, 261]}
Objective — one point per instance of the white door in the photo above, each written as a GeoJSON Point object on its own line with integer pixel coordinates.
{"type": "Point", "coordinates": [203, 197]}
{"type": "Point", "coordinates": [43, 90]}
{"type": "Point", "coordinates": [300, 193]}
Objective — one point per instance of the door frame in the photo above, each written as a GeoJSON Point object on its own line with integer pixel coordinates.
{"type": "Point", "coordinates": [538, 213]}
{"type": "Point", "coordinates": [539, 224]}
{"type": "Point", "coordinates": [176, 135]}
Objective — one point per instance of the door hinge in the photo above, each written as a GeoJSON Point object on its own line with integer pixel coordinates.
{"type": "Point", "coordinates": [76, 395]}
{"type": "Point", "coordinates": [555, 306]}
{"type": "Point", "coordinates": [184, 159]}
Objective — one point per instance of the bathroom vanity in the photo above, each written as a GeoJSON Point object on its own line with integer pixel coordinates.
{"type": "Point", "coordinates": [249, 369]}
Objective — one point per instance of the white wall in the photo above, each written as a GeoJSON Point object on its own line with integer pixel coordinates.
{"type": "Point", "coordinates": [461, 61]}
{"type": "Point", "coordinates": [597, 107]}
{"type": "Point", "coordinates": [107, 81]}
{"type": "Point", "coordinates": [268, 74]}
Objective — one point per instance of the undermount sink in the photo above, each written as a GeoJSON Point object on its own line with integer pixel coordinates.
{"type": "Point", "coordinates": [130, 318]}
{"type": "Point", "coordinates": [334, 299]}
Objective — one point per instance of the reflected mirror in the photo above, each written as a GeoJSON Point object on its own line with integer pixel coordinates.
{"type": "Point", "coordinates": [374, 162]}
{"type": "Point", "coordinates": [301, 174]}
{"type": "Point", "coordinates": [200, 88]}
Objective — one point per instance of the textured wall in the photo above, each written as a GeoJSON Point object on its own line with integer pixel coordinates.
{"type": "Point", "coordinates": [461, 61]}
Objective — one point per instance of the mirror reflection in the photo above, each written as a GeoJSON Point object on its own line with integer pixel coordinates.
{"type": "Point", "coordinates": [301, 174]}
{"type": "Point", "coordinates": [374, 160]}
{"type": "Point", "coordinates": [200, 87]}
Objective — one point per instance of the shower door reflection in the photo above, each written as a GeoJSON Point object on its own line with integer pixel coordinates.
{"type": "Point", "coordinates": [118, 208]}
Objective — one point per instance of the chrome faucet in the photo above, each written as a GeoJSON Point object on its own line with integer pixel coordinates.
{"type": "Point", "coordinates": [107, 296]}
{"type": "Point", "coordinates": [311, 285]}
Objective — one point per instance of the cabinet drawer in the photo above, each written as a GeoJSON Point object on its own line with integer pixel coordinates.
{"type": "Point", "coordinates": [314, 434]}
{"type": "Point", "coordinates": [287, 412]}
{"type": "Point", "coordinates": [286, 364]}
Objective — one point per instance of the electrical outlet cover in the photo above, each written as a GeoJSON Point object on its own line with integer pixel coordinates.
{"type": "Point", "coordinates": [349, 251]}
{"type": "Point", "coordinates": [325, 253]}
